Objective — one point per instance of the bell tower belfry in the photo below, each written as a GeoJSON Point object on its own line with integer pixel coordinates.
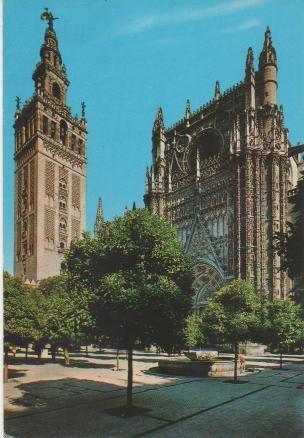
{"type": "Point", "coordinates": [50, 168]}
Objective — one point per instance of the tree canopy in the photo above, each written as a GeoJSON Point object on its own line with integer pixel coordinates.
{"type": "Point", "coordinates": [232, 315]}
{"type": "Point", "coordinates": [140, 278]}
{"type": "Point", "coordinates": [23, 312]}
{"type": "Point", "coordinates": [68, 319]}
{"type": "Point", "coordinates": [285, 327]}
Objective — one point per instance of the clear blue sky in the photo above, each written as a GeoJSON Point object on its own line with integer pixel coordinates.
{"type": "Point", "coordinates": [127, 57]}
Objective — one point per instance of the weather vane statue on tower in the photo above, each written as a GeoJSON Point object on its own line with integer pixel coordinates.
{"type": "Point", "coordinates": [49, 17]}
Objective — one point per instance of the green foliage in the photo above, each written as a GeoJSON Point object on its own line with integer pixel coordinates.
{"type": "Point", "coordinates": [23, 312]}
{"type": "Point", "coordinates": [67, 316]}
{"type": "Point", "coordinates": [140, 277]}
{"type": "Point", "coordinates": [285, 327]}
{"type": "Point", "coordinates": [290, 245]}
{"type": "Point", "coordinates": [193, 331]}
{"type": "Point", "coordinates": [232, 316]}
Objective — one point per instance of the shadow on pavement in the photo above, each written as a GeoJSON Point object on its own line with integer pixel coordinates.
{"type": "Point", "coordinates": [15, 374]}
{"type": "Point", "coordinates": [57, 393]}
{"type": "Point", "coordinates": [87, 364]}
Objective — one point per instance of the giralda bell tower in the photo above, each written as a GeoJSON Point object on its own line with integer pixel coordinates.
{"type": "Point", "coordinates": [50, 168]}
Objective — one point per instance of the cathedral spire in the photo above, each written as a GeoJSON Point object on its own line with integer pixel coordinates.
{"type": "Point", "coordinates": [18, 105]}
{"type": "Point", "coordinates": [159, 120]}
{"type": "Point", "coordinates": [268, 54]}
{"type": "Point", "coordinates": [250, 80]}
{"type": "Point", "coordinates": [188, 112]}
{"type": "Point", "coordinates": [268, 71]}
{"type": "Point", "coordinates": [158, 137]}
{"type": "Point", "coordinates": [217, 90]}
{"type": "Point", "coordinates": [99, 218]}
{"type": "Point", "coordinates": [249, 63]}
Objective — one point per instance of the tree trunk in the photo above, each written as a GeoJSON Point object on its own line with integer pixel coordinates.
{"type": "Point", "coordinates": [26, 351]}
{"type": "Point", "coordinates": [53, 352]}
{"type": "Point", "coordinates": [117, 359]}
{"type": "Point", "coordinates": [5, 377]}
{"type": "Point", "coordinates": [87, 351]}
{"type": "Point", "coordinates": [66, 356]}
{"type": "Point", "coordinates": [39, 350]}
{"type": "Point", "coordinates": [236, 356]}
{"type": "Point", "coordinates": [130, 379]}
{"type": "Point", "coordinates": [281, 360]}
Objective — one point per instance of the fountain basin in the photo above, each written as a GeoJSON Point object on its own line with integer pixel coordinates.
{"type": "Point", "coordinates": [205, 354]}
{"type": "Point", "coordinates": [197, 368]}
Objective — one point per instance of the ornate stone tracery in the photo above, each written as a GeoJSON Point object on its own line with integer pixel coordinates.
{"type": "Point", "coordinates": [227, 163]}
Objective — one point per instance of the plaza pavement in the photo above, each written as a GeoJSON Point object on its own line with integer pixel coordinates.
{"type": "Point", "coordinates": [52, 400]}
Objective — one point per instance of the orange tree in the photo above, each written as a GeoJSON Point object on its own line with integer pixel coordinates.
{"type": "Point", "coordinates": [141, 280]}
{"type": "Point", "coordinates": [232, 316]}
{"type": "Point", "coordinates": [284, 326]}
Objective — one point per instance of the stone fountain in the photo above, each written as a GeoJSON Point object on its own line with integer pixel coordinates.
{"type": "Point", "coordinates": [201, 363]}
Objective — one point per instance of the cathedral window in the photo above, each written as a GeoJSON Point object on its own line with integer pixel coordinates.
{"type": "Point", "coordinates": [63, 132]}
{"type": "Point", "coordinates": [62, 246]}
{"type": "Point", "coordinates": [45, 125]}
{"type": "Point", "coordinates": [56, 90]}
{"type": "Point", "coordinates": [53, 129]}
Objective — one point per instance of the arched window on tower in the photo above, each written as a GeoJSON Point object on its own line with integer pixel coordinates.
{"type": "Point", "coordinates": [56, 90]}
{"type": "Point", "coordinates": [62, 225]}
{"type": "Point", "coordinates": [63, 132]}
{"type": "Point", "coordinates": [62, 204]}
{"type": "Point", "coordinates": [62, 183]}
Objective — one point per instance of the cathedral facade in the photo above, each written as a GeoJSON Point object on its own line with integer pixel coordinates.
{"type": "Point", "coordinates": [222, 175]}
{"type": "Point", "coordinates": [50, 168]}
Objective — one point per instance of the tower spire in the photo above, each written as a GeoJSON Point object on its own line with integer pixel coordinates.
{"type": "Point", "coordinates": [268, 54]}
{"type": "Point", "coordinates": [99, 218]}
{"type": "Point", "coordinates": [268, 71]}
{"type": "Point", "coordinates": [50, 65]}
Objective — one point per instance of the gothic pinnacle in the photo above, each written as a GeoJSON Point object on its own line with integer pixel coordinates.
{"type": "Point", "coordinates": [217, 91]}
{"type": "Point", "coordinates": [99, 217]}
{"type": "Point", "coordinates": [159, 120]}
{"type": "Point", "coordinates": [268, 54]}
{"type": "Point", "coordinates": [83, 107]}
{"type": "Point", "coordinates": [249, 59]}
{"type": "Point", "coordinates": [18, 102]}
{"type": "Point", "coordinates": [188, 110]}
{"type": "Point", "coordinates": [249, 70]}
{"type": "Point", "coordinates": [159, 115]}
